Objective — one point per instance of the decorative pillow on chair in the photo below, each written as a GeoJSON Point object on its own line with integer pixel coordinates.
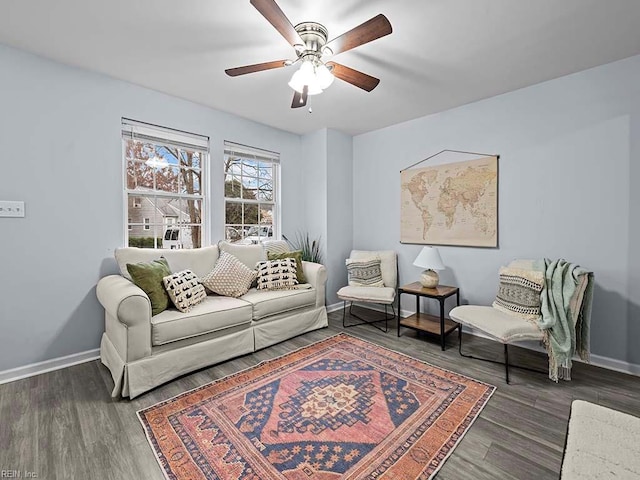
{"type": "Point", "coordinates": [277, 274]}
{"type": "Point", "coordinates": [297, 256]}
{"type": "Point", "coordinates": [184, 289]}
{"type": "Point", "coordinates": [364, 272]}
{"type": "Point", "coordinates": [229, 277]}
{"type": "Point", "coordinates": [148, 276]}
{"type": "Point", "coordinates": [519, 292]}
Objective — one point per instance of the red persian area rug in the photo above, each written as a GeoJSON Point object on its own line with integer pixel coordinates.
{"type": "Point", "coordinates": [341, 408]}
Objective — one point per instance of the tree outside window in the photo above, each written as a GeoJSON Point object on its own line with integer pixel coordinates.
{"type": "Point", "coordinates": [250, 194]}
{"type": "Point", "coordinates": [164, 189]}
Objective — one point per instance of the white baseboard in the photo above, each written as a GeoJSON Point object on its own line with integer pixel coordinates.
{"type": "Point", "coordinates": [334, 307]}
{"type": "Point", "coordinates": [597, 360]}
{"type": "Point", "coordinates": [33, 369]}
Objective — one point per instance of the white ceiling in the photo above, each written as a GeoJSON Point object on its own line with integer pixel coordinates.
{"type": "Point", "coordinates": [441, 54]}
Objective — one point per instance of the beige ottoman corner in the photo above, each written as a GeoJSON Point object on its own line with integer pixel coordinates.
{"type": "Point", "coordinates": [601, 444]}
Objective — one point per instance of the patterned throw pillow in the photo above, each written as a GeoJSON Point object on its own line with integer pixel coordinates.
{"type": "Point", "coordinates": [184, 289]}
{"type": "Point", "coordinates": [519, 292]}
{"type": "Point", "coordinates": [148, 276]}
{"type": "Point", "coordinates": [275, 246]}
{"type": "Point", "coordinates": [277, 274]}
{"type": "Point", "coordinates": [297, 256]}
{"type": "Point", "coordinates": [229, 277]}
{"type": "Point", "coordinates": [364, 272]}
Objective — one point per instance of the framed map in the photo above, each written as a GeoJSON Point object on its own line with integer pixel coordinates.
{"type": "Point", "coordinates": [451, 204]}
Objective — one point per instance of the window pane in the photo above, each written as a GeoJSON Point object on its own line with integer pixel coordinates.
{"type": "Point", "coordinates": [233, 213]}
{"type": "Point", "coordinates": [191, 236]}
{"type": "Point", "coordinates": [249, 188]}
{"type": "Point", "coordinates": [250, 213]}
{"type": "Point", "coordinates": [233, 187]}
{"type": "Point", "coordinates": [168, 179]}
{"type": "Point", "coordinates": [192, 211]}
{"type": "Point", "coordinates": [265, 172]}
{"type": "Point", "coordinates": [266, 215]}
{"type": "Point", "coordinates": [233, 233]}
{"type": "Point", "coordinates": [190, 181]}
{"type": "Point", "coordinates": [265, 190]}
{"type": "Point", "coordinates": [139, 176]}
{"type": "Point", "coordinates": [249, 168]}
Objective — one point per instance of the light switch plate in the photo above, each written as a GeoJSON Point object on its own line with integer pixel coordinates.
{"type": "Point", "coordinates": [11, 209]}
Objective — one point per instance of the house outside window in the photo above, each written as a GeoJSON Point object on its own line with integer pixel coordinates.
{"type": "Point", "coordinates": [252, 196]}
{"type": "Point", "coordinates": [164, 186]}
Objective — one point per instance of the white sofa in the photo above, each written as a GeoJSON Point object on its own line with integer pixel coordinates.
{"type": "Point", "coordinates": [143, 351]}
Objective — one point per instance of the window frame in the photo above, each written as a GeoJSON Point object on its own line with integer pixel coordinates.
{"type": "Point", "coordinates": [258, 155]}
{"type": "Point", "coordinates": [163, 136]}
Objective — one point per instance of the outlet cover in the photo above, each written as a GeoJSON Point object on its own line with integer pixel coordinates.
{"type": "Point", "coordinates": [11, 209]}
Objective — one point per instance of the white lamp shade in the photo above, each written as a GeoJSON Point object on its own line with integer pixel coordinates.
{"type": "Point", "coordinates": [429, 258]}
{"type": "Point", "coordinates": [325, 77]}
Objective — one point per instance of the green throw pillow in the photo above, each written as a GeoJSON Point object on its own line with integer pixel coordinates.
{"type": "Point", "coordinates": [297, 255]}
{"type": "Point", "coordinates": [148, 276]}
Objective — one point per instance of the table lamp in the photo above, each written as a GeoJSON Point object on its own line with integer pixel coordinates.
{"type": "Point", "coordinates": [429, 259]}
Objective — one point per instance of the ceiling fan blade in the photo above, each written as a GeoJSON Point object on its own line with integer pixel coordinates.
{"type": "Point", "coordinates": [372, 29]}
{"type": "Point", "coordinates": [276, 17]}
{"type": "Point", "coordinates": [300, 99]}
{"type": "Point", "coordinates": [354, 77]}
{"type": "Point", "coordinates": [258, 67]}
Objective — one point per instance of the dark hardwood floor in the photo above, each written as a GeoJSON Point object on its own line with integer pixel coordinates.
{"type": "Point", "coordinates": [65, 425]}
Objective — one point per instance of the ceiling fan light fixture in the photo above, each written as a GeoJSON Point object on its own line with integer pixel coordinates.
{"type": "Point", "coordinates": [306, 75]}
{"type": "Point", "coordinates": [324, 76]}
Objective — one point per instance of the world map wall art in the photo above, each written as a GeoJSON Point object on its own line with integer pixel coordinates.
{"type": "Point", "coordinates": [451, 204]}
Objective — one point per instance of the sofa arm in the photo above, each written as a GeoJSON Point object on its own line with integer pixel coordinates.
{"type": "Point", "coordinates": [127, 316]}
{"type": "Point", "coordinates": [317, 277]}
{"type": "Point", "coordinates": [124, 300]}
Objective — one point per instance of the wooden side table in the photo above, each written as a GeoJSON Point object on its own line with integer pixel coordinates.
{"type": "Point", "coordinates": [424, 322]}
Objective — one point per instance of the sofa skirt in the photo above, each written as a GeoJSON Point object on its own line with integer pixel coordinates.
{"type": "Point", "coordinates": [272, 330]}
{"type": "Point", "coordinates": [135, 378]}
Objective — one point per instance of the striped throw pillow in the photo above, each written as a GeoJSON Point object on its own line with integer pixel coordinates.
{"type": "Point", "coordinates": [364, 272]}
{"type": "Point", "coordinates": [519, 292]}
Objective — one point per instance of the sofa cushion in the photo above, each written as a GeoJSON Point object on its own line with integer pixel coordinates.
{"type": "Point", "coordinates": [384, 295]}
{"type": "Point", "coordinates": [229, 277]}
{"type": "Point", "coordinates": [214, 313]}
{"type": "Point", "coordinates": [250, 255]}
{"type": "Point", "coordinates": [184, 289]}
{"type": "Point", "coordinates": [199, 260]}
{"type": "Point", "coordinates": [148, 276]}
{"type": "Point", "coordinates": [503, 326]}
{"type": "Point", "coordinates": [270, 302]}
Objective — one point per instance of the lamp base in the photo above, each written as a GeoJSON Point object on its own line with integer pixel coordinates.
{"type": "Point", "coordinates": [429, 279]}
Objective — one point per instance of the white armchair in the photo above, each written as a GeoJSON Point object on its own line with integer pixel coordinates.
{"type": "Point", "coordinates": [379, 295]}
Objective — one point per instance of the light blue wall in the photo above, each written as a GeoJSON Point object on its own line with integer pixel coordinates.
{"type": "Point", "coordinates": [60, 152]}
{"type": "Point", "coordinates": [328, 160]}
{"type": "Point", "coordinates": [568, 188]}
{"type": "Point", "coordinates": [340, 210]}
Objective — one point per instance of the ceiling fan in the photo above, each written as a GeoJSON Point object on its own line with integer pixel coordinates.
{"type": "Point", "coordinates": [309, 39]}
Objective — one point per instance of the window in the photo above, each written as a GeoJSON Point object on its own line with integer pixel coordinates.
{"type": "Point", "coordinates": [251, 190]}
{"type": "Point", "coordinates": [165, 172]}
